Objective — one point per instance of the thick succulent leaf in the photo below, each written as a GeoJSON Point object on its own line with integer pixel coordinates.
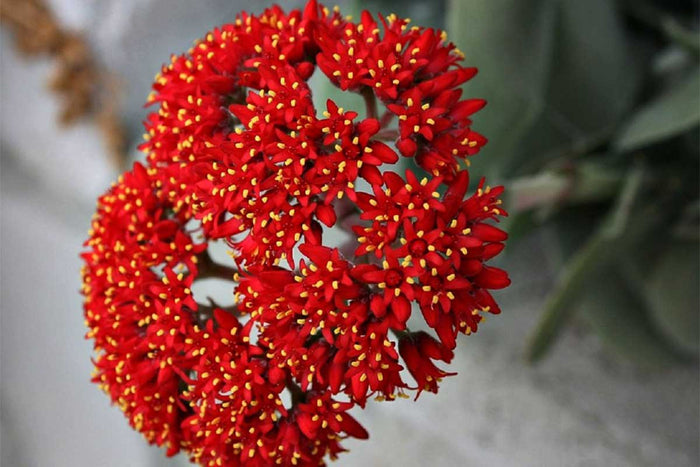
{"type": "Point", "coordinates": [672, 113]}
{"type": "Point", "coordinates": [619, 316]}
{"type": "Point", "coordinates": [511, 42]}
{"type": "Point", "coordinates": [537, 111]}
{"type": "Point", "coordinates": [673, 295]}
{"type": "Point", "coordinates": [593, 82]}
{"type": "Point", "coordinates": [686, 38]}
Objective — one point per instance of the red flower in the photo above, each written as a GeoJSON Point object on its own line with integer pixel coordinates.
{"type": "Point", "coordinates": [238, 154]}
{"type": "Point", "coordinates": [419, 350]}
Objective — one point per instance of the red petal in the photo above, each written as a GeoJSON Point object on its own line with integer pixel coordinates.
{"type": "Point", "coordinates": [368, 125]}
{"type": "Point", "coordinates": [492, 278]}
{"type": "Point", "coordinates": [384, 152]}
{"type": "Point", "coordinates": [446, 331]}
{"type": "Point", "coordinates": [359, 388]}
{"type": "Point", "coordinates": [488, 233]}
{"type": "Point", "coordinates": [353, 428]}
{"type": "Point", "coordinates": [311, 10]}
{"type": "Point", "coordinates": [429, 314]}
{"type": "Point", "coordinates": [326, 214]}
{"type": "Point", "coordinates": [141, 174]}
{"type": "Point", "coordinates": [306, 425]}
{"type": "Point", "coordinates": [377, 306]}
{"type": "Point", "coordinates": [374, 277]}
{"type": "Point", "coordinates": [372, 174]}
{"type": "Point", "coordinates": [455, 193]}
{"type": "Point", "coordinates": [335, 376]}
{"type": "Point", "coordinates": [225, 320]}
{"type": "Point", "coordinates": [407, 147]}
{"type": "Point", "coordinates": [401, 308]}
{"type": "Point", "coordinates": [276, 375]}
{"type": "Point", "coordinates": [467, 107]}
{"type": "Point", "coordinates": [491, 250]}
{"type": "Point", "coordinates": [305, 70]}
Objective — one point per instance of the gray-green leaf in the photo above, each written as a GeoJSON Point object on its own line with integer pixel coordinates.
{"type": "Point", "coordinates": [672, 113]}
{"type": "Point", "coordinates": [618, 315]}
{"type": "Point", "coordinates": [673, 295]}
{"type": "Point", "coordinates": [537, 110]}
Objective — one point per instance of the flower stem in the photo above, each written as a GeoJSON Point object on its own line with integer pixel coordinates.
{"type": "Point", "coordinates": [401, 334]}
{"type": "Point", "coordinates": [386, 118]}
{"type": "Point", "coordinates": [208, 268]}
{"type": "Point", "coordinates": [370, 102]}
{"type": "Point", "coordinates": [388, 135]}
{"type": "Point", "coordinates": [206, 312]}
{"type": "Point", "coordinates": [297, 394]}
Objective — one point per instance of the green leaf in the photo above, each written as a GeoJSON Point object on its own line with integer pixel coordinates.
{"type": "Point", "coordinates": [594, 80]}
{"type": "Point", "coordinates": [552, 85]}
{"type": "Point", "coordinates": [672, 113]}
{"type": "Point", "coordinates": [510, 41]}
{"type": "Point", "coordinates": [618, 315]}
{"type": "Point", "coordinates": [673, 295]}
{"type": "Point", "coordinates": [690, 40]}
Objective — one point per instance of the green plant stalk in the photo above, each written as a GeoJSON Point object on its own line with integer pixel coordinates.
{"type": "Point", "coordinates": [558, 309]}
{"type": "Point", "coordinates": [585, 183]}
{"type": "Point", "coordinates": [595, 255]}
{"type": "Point", "coordinates": [656, 18]}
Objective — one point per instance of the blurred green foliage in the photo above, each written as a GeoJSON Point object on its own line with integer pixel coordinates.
{"type": "Point", "coordinates": [593, 120]}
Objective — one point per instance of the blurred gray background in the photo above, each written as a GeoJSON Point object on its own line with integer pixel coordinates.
{"type": "Point", "coordinates": [582, 406]}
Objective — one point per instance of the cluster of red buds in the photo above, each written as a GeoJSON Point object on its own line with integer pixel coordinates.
{"type": "Point", "coordinates": [237, 153]}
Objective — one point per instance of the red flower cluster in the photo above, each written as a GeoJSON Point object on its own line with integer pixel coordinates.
{"type": "Point", "coordinates": [237, 152]}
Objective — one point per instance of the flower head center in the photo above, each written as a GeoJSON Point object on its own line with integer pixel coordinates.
{"type": "Point", "coordinates": [418, 247]}
{"type": "Point", "coordinates": [394, 277]}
